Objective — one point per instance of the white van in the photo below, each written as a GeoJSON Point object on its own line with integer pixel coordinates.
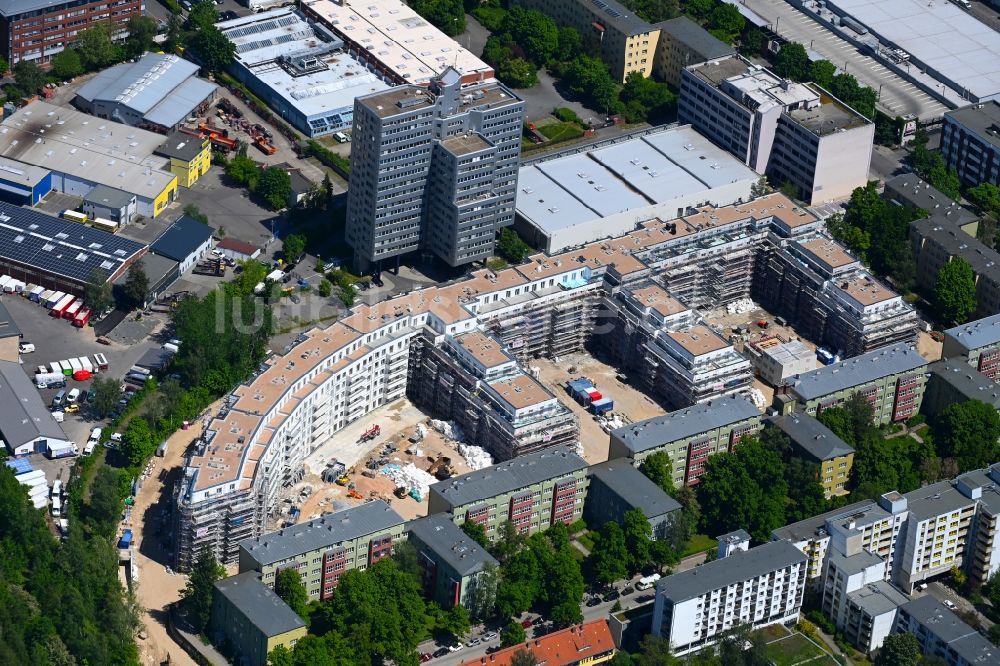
{"type": "Point", "coordinates": [26, 347]}
{"type": "Point", "coordinates": [57, 488]}
{"type": "Point", "coordinates": [74, 395]}
{"type": "Point", "coordinates": [59, 399]}
{"type": "Point", "coordinates": [56, 507]}
{"type": "Point", "coordinates": [340, 137]}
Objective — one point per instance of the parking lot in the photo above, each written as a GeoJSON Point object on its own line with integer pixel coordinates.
{"type": "Point", "coordinates": [57, 340]}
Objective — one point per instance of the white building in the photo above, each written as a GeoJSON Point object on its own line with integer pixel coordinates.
{"type": "Point", "coordinates": [775, 361]}
{"type": "Point", "coordinates": [757, 587]}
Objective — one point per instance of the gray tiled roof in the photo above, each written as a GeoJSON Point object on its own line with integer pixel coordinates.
{"type": "Point", "coordinates": [812, 436]}
{"type": "Point", "coordinates": [684, 423]}
{"type": "Point", "coordinates": [521, 472]}
{"type": "Point", "coordinates": [950, 629]}
{"type": "Point", "coordinates": [259, 603]}
{"type": "Point", "coordinates": [914, 192]}
{"type": "Point", "coordinates": [623, 479]}
{"type": "Point", "coordinates": [983, 259]}
{"type": "Point", "coordinates": [976, 334]}
{"type": "Point", "coordinates": [450, 544]}
{"type": "Point", "coordinates": [979, 118]}
{"type": "Point", "coordinates": [23, 415]}
{"type": "Point", "coordinates": [323, 532]}
{"type": "Point", "coordinates": [8, 327]}
{"type": "Point", "coordinates": [806, 529]}
{"type": "Point", "coordinates": [739, 566]}
{"type": "Point", "coordinates": [856, 372]}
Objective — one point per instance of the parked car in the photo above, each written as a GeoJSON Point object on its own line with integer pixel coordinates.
{"type": "Point", "coordinates": [26, 348]}
{"type": "Point", "coordinates": [526, 623]}
{"type": "Point", "coordinates": [455, 648]}
{"type": "Point", "coordinates": [489, 636]}
{"type": "Point", "coordinates": [425, 657]}
{"type": "Point", "coordinates": [72, 409]}
{"type": "Point", "coordinates": [627, 591]}
{"type": "Point", "coordinates": [441, 652]}
{"type": "Point", "coordinates": [593, 601]}
{"type": "Point", "coordinates": [950, 604]}
{"type": "Point", "coordinates": [472, 643]}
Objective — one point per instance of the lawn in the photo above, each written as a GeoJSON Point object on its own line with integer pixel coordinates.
{"type": "Point", "coordinates": [699, 543]}
{"type": "Point", "coordinates": [586, 540]}
{"type": "Point", "coordinates": [556, 132]}
{"type": "Point", "coordinates": [793, 650]}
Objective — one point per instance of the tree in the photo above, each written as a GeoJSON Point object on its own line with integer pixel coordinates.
{"type": "Point", "coordinates": [195, 213]}
{"type": "Point", "coordinates": [197, 594]}
{"type": "Point", "coordinates": [700, 8]}
{"type": "Point", "coordinates": [476, 532]}
{"type": "Point", "coordinates": [752, 41]}
{"type": "Point", "coordinates": [638, 539]}
{"type": "Point", "coordinates": [275, 187]}
{"type": "Point", "coordinates": [589, 78]}
{"type": "Point", "coordinates": [4, 66]}
{"type": "Point", "coordinates": [609, 557]}
{"type": "Point", "coordinates": [968, 432]}
{"type": "Point", "coordinates": [293, 246]}
{"type": "Point", "coordinates": [136, 284]}
{"type": "Point", "coordinates": [244, 171]}
{"type": "Point", "coordinates": [106, 394]}
{"type": "Point", "coordinates": [533, 32]}
{"type": "Point", "coordinates": [512, 634]}
{"type": "Point", "coordinates": [138, 444]}
{"type": "Point", "coordinates": [28, 77]}
{"type": "Point", "coordinates": [523, 658]}
{"type": "Point", "coordinates": [563, 586]}
{"type": "Point", "coordinates": [325, 289]}
{"type": "Point", "coordinates": [792, 62]}
{"type": "Point", "coordinates": [726, 23]}
{"type": "Point", "coordinates": [511, 246]}
{"type": "Point", "coordinates": [456, 621]}
{"type": "Point", "coordinates": [570, 43]}
{"type": "Point", "coordinates": [203, 16]}
{"type": "Point", "coordinates": [213, 48]}
{"type": "Point", "coordinates": [518, 73]}
{"type": "Point", "coordinates": [175, 27]}
{"type": "Point", "coordinates": [141, 31]}
{"type": "Point", "coordinates": [899, 650]}
{"type": "Point", "coordinates": [822, 72]}
{"type": "Point", "coordinates": [447, 15]}
{"type": "Point", "coordinates": [97, 292]}
{"type": "Point", "coordinates": [95, 47]}
{"type": "Point", "coordinates": [288, 586]}
{"type": "Point", "coordinates": [955, 291]}
{"type": "Point", "coordinates": [482, 597]}
{"type": "Point", "coordinates": [66, 64]}
{"type": "Point", "coordinates": [496, 52]}
{"type": "Point", "coordinates": [658, 469]}
{"type": "Point", "coordinates": [647, 99]}
{"type": "Point", "coordinates": [985, 197]}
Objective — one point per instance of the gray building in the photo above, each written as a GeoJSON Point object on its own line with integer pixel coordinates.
{"type": "Point", "coordinates": [26, 425]}
{"type": "Point", "coordinates": [682, 43]}
{"type": "Point", "coordinates": [944, 634]}
{"type": "Point", "coordinates": [935, 243]}
{"type": "Point", "coordinates": [816, 442]}
{"type": "Point", "coordinates": [912, 192]}
{"type": "Point", "coordinates": [617, 487]}
{"type": "Point", "coordinates": [970, 142]}
{"type": "Point", "coordinates": [185, 241]}
{"type": "Point", "coordinates": [976, 343]}
{"type": "Point", "coordinates": [252, 619]}
{"type": "Point", "coordinates": [953, 381]}
{"type": "Point", "coordinates": [433, 169]}
{"type": "Point", "coordinates": [452, 563]}
{"type": "Point", "coordinates": [110, 203]}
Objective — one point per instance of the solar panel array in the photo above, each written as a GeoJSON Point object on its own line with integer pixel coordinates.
{"type": "Point", "coordinates": [60, 247]}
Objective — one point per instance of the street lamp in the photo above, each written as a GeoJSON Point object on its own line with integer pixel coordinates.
{"type": "Point", "coordinates": [879, 97]}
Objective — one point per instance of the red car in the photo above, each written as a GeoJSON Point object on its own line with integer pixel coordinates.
{"type": "Point", "coordinates": [425, 657]}
{"type": "Point", "coordinates": [526, 623]}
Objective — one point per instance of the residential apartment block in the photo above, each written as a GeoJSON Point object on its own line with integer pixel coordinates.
{"type": "Point", "coordinates": [683, 43]}
{"type": "Point", "coordinates": [775, 360]}
{"type": "Point", "coordinates": [433, 169]}
{"type": "Point", "coordinates": [871, 615]}
{"type": "Point", "coordinates": [814, 441]}
{"type": "Point", "coordinates": [797, 133]}
{"type": "Point", "coordinates": [936, 534]}
{"type": "Point", "coordinates": [936, 242]}
{"type": "Point", "coordinates": [688, 436]}
{"type": "Point", "coordinates": [323, 549]}
{"type": "Point", "coordinates": [970, 142]}
{"type": "Point", "coordinates": [37, 30]}
{"type": "Point", "coordinates": [757, 587]}
{"type": "Point", "coordinates": [953, 381]}
{"type": "Point", "coordinates": [892, 380]}
{"type": "Point", "coordinates": [943, 634]}
{"type": "Point", "coordinates": [913, 193]}
{"type": "Point", "coordinates": [452, 563]}
{"type": "Point", "coordinates": [534, 491]}
{"type": "Point", "coordinates": [976, 343]}
{"type": "Point", "coordinates": [616, 487]}
{"type": "Point", "coordinates": [252, 618]}
{"type": "Point", "coordinates": [588, 644]}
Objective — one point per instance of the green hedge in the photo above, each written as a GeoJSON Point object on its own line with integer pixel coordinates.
{"type": "Point", "coordinates": [340, 164]}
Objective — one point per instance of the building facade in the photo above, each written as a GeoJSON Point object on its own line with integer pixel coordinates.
{"type": "Point", "coordinates": [455, 569]}
{"type": "Point", "coordinates": [970, 143]}
{"type": "Point", "coordinates": [434, 169]}
{"type": "Point", "coordinates": [190, 157]}
{"type": "Point", "coordinates": [942, 633]}
{"type": "Point", "coordinates": [252, 618]}
{"type": "Point", "coordinates": [953, 381]}
{"type": "Point", "coordinates": [976, 343]}
{"type": "Point", "coordinates": [817, 443]}
{"type": "Point", "coordinates": [616, 487]}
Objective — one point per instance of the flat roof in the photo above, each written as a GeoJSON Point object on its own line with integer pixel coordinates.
{"type": "Point", "coordinates": [451, 544]}
{"type": "Point", "coordinates": [398, 38]}
{"type": "Point", "coordinates": [857, 371]}
{"type": "Point", "coordinates": [936, 499]}
{"type": "Point", "coordinates": [323, 532]}
{"type": "Point", "coordinates": [866, 290]}
{"type": "Point", "coordinates": [694, 420]}
{"type": "Point", "coordinates": [983, 119]}
{"type": "Point", "coordinates": [61, 247]}
{"type": "Point", "coordinates": [25, 175]}
{"type": "Point", "coordinates": [181, 238]}
{"type": "Point", "coordinates": [829, 254]}
{"type": "Point", "coordinates": [941, 35]}
{"type": "Point", "coordinates": [259, 604]}
{"type": "Point", "coordinates": [831, 115]}
{"type": "Point", "coordinates": [485, 349]}
{"type": "Point", "coordinates": [23, 415]}
{"type": "Point", "coordinates": [969, 382]}
{"type": "Point", "coordinates": [110, 197]}
{"type": "Point", "coordinates": [878, 598]}
{"type": "Point", "coordinates": [812, 436]}
{"type": "Point", "coordinates": [634, 487]}
{"type": "Point", "coordinates": [976, 334]}
{"type": "Point", "coordinates": [465, 144]}
{"type": "Point", "coordinates": [86, 147]}
{"type": "Point", "coordinates": [263, 41]}
{"type": "Point", "coordinates": [521, 472]}
{"type": "Point", "coordinates": [737, 567]}
{"type": "Point", "coordinates": [854, 564]}
{"type": "Point", "coordinates": [658, 299]}
{"type": "Point", "coordinates": [699, 340]}
{"type": "Point", "coordinates": [808, 529]}
{"type": "Point", "coordinates": [521, 391]}
{"type": "Point", "coordinates": [8, 327]}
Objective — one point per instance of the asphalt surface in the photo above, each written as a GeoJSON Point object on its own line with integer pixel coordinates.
{"type": "Point", "coordinates": [897, 96]}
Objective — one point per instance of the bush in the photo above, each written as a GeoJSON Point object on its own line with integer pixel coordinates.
{"type": "Point", "coordinates": [329, 158]}
{"type": "Point", "coordinates": [567, 115]}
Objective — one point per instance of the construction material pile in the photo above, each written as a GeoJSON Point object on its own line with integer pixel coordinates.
{"type": "Point", "coordinates": [410, 477]}
{"type": "Point", "coordinates": [475, 456]}
{"type": "Point", "coordinates": [449, 429]}
{"type": "Point", "coordinates": [740, 306]}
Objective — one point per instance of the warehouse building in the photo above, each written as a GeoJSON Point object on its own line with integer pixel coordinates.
{"type": "Point", "coordinates": [254, 620]}
{"type": "Point", "coordinates": [451, 562]}
{"type": "Point", "coordinates": [574, 198]}
{"type": "Point", "coordinates": [23, 184]}
{"type": "Point", "coordinates": [26, 424]}
{"type": "Point", "coordinates": [617, 487]}
{"type": "Point", "coordinates": [185, 241]}
{"type": "Point", "coordinates": [110, 204]}
{"type": "Point", "coordinates": [157, 92]}
{"type": "Point", "coordinates": [10, 337]}
{"type": "Point", "coordinates": [301, 69]}
{"type": "Point", "coordinates": [58, 254]}
{"type": "Point", "coordinates": [82, 152]}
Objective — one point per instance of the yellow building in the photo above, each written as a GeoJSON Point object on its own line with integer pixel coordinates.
{"type": "Point", "coordinates": [252, 618]}
{"type": "Point", "coordinates": [816, 442]}
{"type": "Point", "coordinates": [190, 157]}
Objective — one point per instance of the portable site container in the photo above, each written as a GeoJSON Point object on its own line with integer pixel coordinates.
{"type": "Point", "coordinates": [87, 365]}
{"type": "Point", "coordinates": [102, 361]}
{"type": "Point", "coordinates": [70, 312]}
{"type": "Point", "coordinates": [82, 318]}
{"type": "Point", "coordinates": [53, 298]}
{"type": "Point", "coordinates": [74, 364]}
{"type": "Point", "coordinates": [44, 297]}
{"type": "Point", "coordinates": [602, 406]}
{"type": "Point", "coordinates": [59, 308]}
{"type": "Point", "coordinates": [66, 368]}
{"type": "Point", "coordinates": [36, 292]}
{"type": "Point", "coordinates": [5, 280]}
{"type": "Point", "coordinates": [13, 287]}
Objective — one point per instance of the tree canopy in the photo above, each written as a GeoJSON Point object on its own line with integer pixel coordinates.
{"type": "Point", "coordinates": [275, 187]}
{"type": "Point", "coordinates": [196, 598]}
{"type": "Point", "coordinates": [955, 291]}
{"type": "Point", "coordinates": [899, 650]}
{"type": "Point", "coordinates": [511, 246]}
{"type": "Point", "coordinates": [288, 586]}
{"type": "Point", "coordinates": [968, 432]}
{"type": "Point", "coordinates": [136, 284]}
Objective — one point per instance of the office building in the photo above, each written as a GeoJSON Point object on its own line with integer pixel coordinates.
{"type": "Point", "coordinates": [943, 634]}
{"type": "Point", "coordinates": [688, 436]}
{"type": "Point", "coordinates": [952, 381]}
{"type": "Point", "coordinates": [82, 152]}
{"type": "Point", "coordinates": [798, 133]}
{"type": "Point", "coordinates": [190, 157]}
{"type": "Point", "coordinates": [110, 204]}
{"type": "Point", "coordinates": [755, 588]}
{"type": "Point", "coordinates": [970, 143]}
{"type": "Point", "coordinates": [815, 442]}
{"type": "Point", "coordinates": [775, 360]}
{"type": "Point", "coordinates": [587, 644]}
{"type": "Point", "coordinates": [976, 343]}
{"type": "Point", "coordinates": [452, 564]}
{"type": "Point", "coordinates": [323, 549]}
{"type": "Point", "coordinates": [248, 615]}
{"type": "Point", "coordinates": [661, 174]}
{"type": "Point", "coordinates": [157, 92]}
{"type": "Point", "coordinates": [37, 30]}
{"type": "Point", "coordinates": [306, 74]}
{"type": "Point", "coordinates": [892, 380]}
{"type": "Point", "coordinates": [616, 487]}
{"type": "Point", "coordinates": [433, 169]}
{"type": "Point", "coordinates": [26, 425]}
{"type": "Point", "coordinates": [533, 491]}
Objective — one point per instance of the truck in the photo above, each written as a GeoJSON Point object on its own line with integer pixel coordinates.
{"type": "Point", "coordinates": [59, 308]}
{"type": "Point", "coordinates": [70, 312]}
{"type": "Point", "coordinates": [126, 540]}
{"type": "Point", "coordinates": [825, 356]}
{"type": "Point", "coordinates": [56, 507]}
{"type": "Point", "coordinates": [101, 360]}
{"type": "Point", "coordinates": [82, 318]}
{"type": "Point", "coordinates": [45, 380]}
{"type": "Point", "coordinates": [161, 450]}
